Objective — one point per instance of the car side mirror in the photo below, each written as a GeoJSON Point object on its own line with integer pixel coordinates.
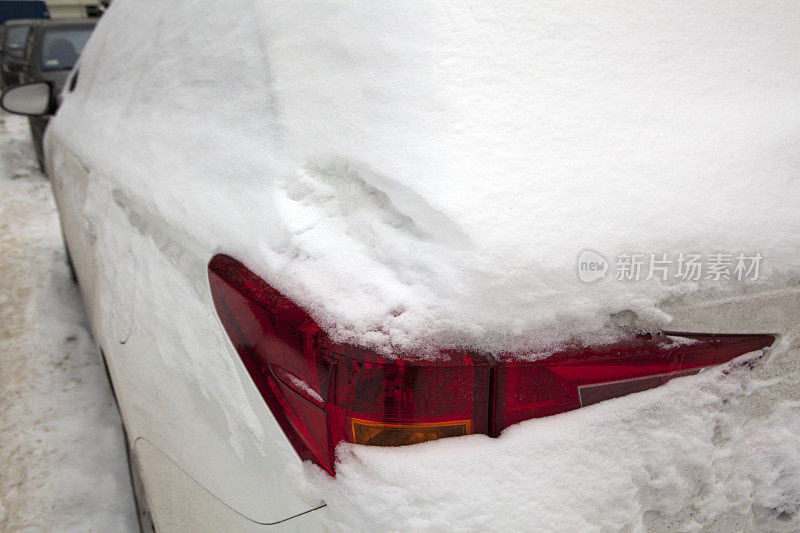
{"type": "Point", "coordinates": [32, 99]}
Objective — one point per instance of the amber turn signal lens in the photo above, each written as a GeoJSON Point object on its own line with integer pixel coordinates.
{"type": "Point", "coordinates": [378, 434]}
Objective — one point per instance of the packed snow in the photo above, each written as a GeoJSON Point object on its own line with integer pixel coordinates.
{"type": "Point", "coordinates": [716, 452]}
{"type": "Point", "coordinates": [422, 175]}
{"type": "Point", "coordinates": [62, 456]}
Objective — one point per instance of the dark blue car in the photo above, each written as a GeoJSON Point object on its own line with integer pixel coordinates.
{"type": "Point", "coordinates": [22, 9]}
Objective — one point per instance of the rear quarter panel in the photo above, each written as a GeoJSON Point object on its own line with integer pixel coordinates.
{"type": "Point", "coordinates": [180, 385]}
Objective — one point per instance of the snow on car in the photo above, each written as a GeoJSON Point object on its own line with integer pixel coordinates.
{"type": "Point", "coordinates": [305, 227]}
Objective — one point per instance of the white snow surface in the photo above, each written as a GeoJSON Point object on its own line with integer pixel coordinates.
{"type": "Point", "coordinates": [422, 175]}
{"type": "Point", "coordinates": [62, 454]}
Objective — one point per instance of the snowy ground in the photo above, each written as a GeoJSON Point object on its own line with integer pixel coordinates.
{"type": "Point", "coordinates": [62, 455]}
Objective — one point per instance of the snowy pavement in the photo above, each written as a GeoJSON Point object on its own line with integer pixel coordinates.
{"type": "Point", "coordinates": [62, 457]}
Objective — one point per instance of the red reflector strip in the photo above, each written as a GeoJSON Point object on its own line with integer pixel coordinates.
{"type": "Point", "coordinates": [591, 394]}
{"type": "Point", "coordinates": [574, 378]}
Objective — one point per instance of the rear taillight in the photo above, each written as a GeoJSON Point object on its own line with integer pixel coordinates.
{"type": "Point", "coordinates": [580, 377]}
{"type": "Point", "coordinates": [322, 393]}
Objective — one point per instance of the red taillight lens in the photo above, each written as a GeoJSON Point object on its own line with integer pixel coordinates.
{"type": "Point", "coordinates": [580, 377]}
{"type": "Point", "coordinates": [392, 402]}
{"type": "Point", "coordinates": [322, 393]}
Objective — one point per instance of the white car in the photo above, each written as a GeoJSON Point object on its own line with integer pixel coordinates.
{"type": "Point", "coordinates": [255, 285]}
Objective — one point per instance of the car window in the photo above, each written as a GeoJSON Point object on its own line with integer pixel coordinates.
{"type": "Point", "coordinates": [15, 38]}
{"type": "Point", "coordinates": [61, 47]}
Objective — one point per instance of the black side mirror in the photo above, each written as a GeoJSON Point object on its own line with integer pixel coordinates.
{"type": "Point", "coordinates": [32, 99]}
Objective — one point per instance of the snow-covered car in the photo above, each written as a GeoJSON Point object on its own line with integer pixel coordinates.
{"type": "Point", "coordinates": [300, 227]}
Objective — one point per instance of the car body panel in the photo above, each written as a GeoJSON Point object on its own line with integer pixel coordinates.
{"type": "Point", "coordinates": [756, 311]}
{"type": "Point", "coordinates": [114, 241]}
{"type": "Point", "coordinates": [179, 503]}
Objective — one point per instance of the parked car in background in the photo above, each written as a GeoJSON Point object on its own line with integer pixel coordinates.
{"type": "Point", "coordinates": [22, 9]}
{"type": "Point", "coordinates": [52, 48]}
{"type": "Point", "coordinates": [13, 36]}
